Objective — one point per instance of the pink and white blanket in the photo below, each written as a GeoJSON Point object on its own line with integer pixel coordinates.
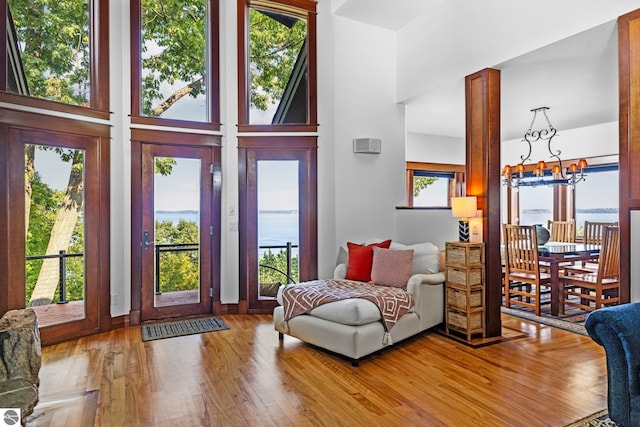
{"type": "Point", "coordinates": [302, 298]}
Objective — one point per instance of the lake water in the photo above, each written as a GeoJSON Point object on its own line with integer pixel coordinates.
{"type": "Point", "coordinates": [542, 218]}
{"type": "Point", "coordinates": [276, 227]}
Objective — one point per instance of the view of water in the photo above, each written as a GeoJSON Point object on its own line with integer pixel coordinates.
{"type": "Point", "coordinates": [276, 228]}
{"type": "Point", "coordinates": [581, 217]}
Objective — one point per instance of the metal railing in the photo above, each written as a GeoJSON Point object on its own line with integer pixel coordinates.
{"type": "Point", "coordinates": [288, 246]}
{"type": "Point", "coordinates": [62, 270]}
{"type": "Point", "coordinates": [170, 248]}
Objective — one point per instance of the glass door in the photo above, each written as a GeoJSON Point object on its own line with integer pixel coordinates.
{"type": "Point", "coordinates": [278, 225]}
{"type": "Point", "coordinates": [177, 231]}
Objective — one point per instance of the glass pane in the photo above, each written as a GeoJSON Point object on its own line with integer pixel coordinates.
{"type": "Point", "coordinates": [277, 68]}
{"type": "Point", "coordinates": [48, 50]}
{"type": "Point", "coordinates": [597, 199]}
{"type": "Point", "coordinates": [431, 191]}
{"type": "Point", "coordinates": [536, 205]}
{"type": "Point", "coordinates": [174, 46]}
{"type": "Point", "coordinates": [55, 268]}
{"type": "Point", "coordinates": [177, 231]}
{"type": "Point", "coordinates": [277, 225]}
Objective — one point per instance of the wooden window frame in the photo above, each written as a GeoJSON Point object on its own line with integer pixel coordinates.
{"type": "Point", "coordinates": [212, 71]}
{"type": "Point", "coordinates": [299, 7]}
{"type": "Point", "coordinates": [455, 189]}
{"type": "Point", "coordinates": [98, 68]}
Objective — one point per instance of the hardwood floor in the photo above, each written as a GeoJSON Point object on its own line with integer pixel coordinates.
{"type": "Point", "coordinates": [245, 376]}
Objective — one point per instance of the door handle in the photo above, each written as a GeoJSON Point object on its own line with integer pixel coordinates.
{"type": "Point", "coordinates": [146, 239]}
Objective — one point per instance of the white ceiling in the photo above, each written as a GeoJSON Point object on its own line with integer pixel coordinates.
{"type": "Point", "coordinates": [390, 14]}
{"type": "Point", "coordinates": [576, 77]}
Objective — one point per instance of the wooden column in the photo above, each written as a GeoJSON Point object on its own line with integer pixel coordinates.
{"type": "Point", "coordinates": [629, 87]}
{"type": "Point", "coordinates": [482, 92]}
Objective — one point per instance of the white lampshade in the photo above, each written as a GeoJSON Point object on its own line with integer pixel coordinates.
{"type": "Point", "coordinates": [464, 207]}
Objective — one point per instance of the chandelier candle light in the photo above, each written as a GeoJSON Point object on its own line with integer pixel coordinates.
{"type": "Point", "coordinates": [464, 208]}
{"type": "Point", "coordinates": [513, 175]}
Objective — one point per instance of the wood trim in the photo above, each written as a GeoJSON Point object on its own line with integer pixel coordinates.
{"type": "Point", "coordinates": [629, 116]}
{"type": "Point", "coordinates": [4, 61]}
{"type": "Point", "coordinates": [175, 138]}
{"type": "Point", "coordinates": [277, 142]}
{"type": "Point", "coordinates": [278, 128]}
{"type": "Point", "coordinates": [26, 120]}
{"type": "Point", "coordinates": [135, 313]}
{"type": "Point", "coordinates": [438, 167]}
{"type": "Point", "coordinates": [45, 104]}
{"type": "Point", "coordinates": [99, 79]}
{"type": "Point", "coordinates": [482, 93]}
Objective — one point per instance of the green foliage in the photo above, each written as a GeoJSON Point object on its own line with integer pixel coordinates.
{"type": "Point", "coordinates": [44, 210]}
{"type": "Point", "coordinates": [164, 165]}
{"type": "Point", "coordinates": [173, 47]}
{"type": "Point", "coordinates": [273, 49]}
{"type": "Point", "coordinates": [54, 39]}
{"type": "Point", "coordinates": [273, 267]}
{"type": "Point", "coordinates": [179, 271]}
{"type": "Point", "coordinates": [422, 182]}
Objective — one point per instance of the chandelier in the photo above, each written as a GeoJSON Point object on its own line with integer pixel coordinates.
{"type": "Point", "coordinates": [512, 176]}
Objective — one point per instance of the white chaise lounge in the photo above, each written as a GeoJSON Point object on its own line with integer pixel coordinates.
{"type": "Point", "coordinates": [354, 328]}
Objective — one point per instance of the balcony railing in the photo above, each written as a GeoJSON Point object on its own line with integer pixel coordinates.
{"type": "Point", "coordinates": [170, 248]}
{"type": "Point", "coordinates": [62, 271]}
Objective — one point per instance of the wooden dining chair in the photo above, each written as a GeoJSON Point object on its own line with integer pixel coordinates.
{"type": "Point", "coordinates": [593, 233]}
{"type": "Point", "coordinates": [601, 287]}
{"type": "Point", "coordinates": [562, 231]}
{"type": "Point", "coordinates": [524, 283]}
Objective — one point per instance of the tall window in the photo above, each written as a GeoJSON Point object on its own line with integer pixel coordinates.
{"type": "Point", "coordinates": [597, 197]}
{"type": "Point", "coordinates": [536, 205]}
{"type": "Point", "coordinates": [53, 51]}
{"type": "Point", "coordinates": [175, 62]}
{"type": "Point", "coordinates": [277, 70]}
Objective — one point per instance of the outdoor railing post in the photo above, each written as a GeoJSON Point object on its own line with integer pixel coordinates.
{"type": "Point", "coordinates": [288, 262]}
{"type": "Point", "coordinates": [157, 281]}
{"type": "Point", "coordinates": [62, 299]}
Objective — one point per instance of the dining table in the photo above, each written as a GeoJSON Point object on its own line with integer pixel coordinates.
{"type": "Point", "coordinates": [556, 254]}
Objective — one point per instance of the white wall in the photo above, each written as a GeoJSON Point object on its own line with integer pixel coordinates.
{"type": "Point", "coordinates": [421, 147]}
{"type": "Point", "coordinates": [368, 186]}
{"type": "Point", "coordinates": [461, 37]}
{"type": "Point", "coordinates": [590, 141]}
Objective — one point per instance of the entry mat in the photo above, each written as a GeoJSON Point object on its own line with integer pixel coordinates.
{"type": "Point", "coordinates": [180, 328]}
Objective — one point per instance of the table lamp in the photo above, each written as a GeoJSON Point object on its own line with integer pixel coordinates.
{"type": "Point", "coordinates": [463, 208]}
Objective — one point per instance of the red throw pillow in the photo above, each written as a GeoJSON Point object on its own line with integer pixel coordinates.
{"type": "Point", "coordinates": [361, 259]}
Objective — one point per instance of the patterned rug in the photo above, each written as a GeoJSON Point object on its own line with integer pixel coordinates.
{"type": "Point", "coordinates": [599, 419]}
{"type": "Point", "coordinates": [576, 324]}
{"type": "Point", "coordinates": [158, 331]}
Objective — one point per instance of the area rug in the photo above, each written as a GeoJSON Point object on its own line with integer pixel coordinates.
{"type": "Point", "coordinates": [576, 327]}
{"type": "Point", "coordinates": [599, 419]}
{"type": "Point", "coordinates": [158, 331]}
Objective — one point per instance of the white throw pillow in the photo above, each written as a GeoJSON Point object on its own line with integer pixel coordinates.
{"type": "Point", "coordinates": [426, 257]}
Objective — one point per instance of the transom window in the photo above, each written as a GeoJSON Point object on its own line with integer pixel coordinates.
{"type": "Point", "coordinates": [175, 63]}
{"type": "Point", "coordinates": [53, 52]}
{"type": "Point", "coordinates": [276, 69]}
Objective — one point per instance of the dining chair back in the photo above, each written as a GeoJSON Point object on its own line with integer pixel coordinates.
{"type": "Point", "coordinates": [562, 231]}
{"type": "Point", "coordinates": [593, 289]}
{"type": "Point", "coordinates": [524, 283]}
{"type": "Point", "coordinates": [594, 231]}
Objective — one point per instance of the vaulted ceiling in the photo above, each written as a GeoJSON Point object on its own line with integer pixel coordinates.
{"type": "Point", "coordinates": [576, 77]}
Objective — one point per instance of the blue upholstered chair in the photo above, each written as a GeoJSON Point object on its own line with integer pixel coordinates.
{"type": "Point", "coordinates": [617, 329]}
